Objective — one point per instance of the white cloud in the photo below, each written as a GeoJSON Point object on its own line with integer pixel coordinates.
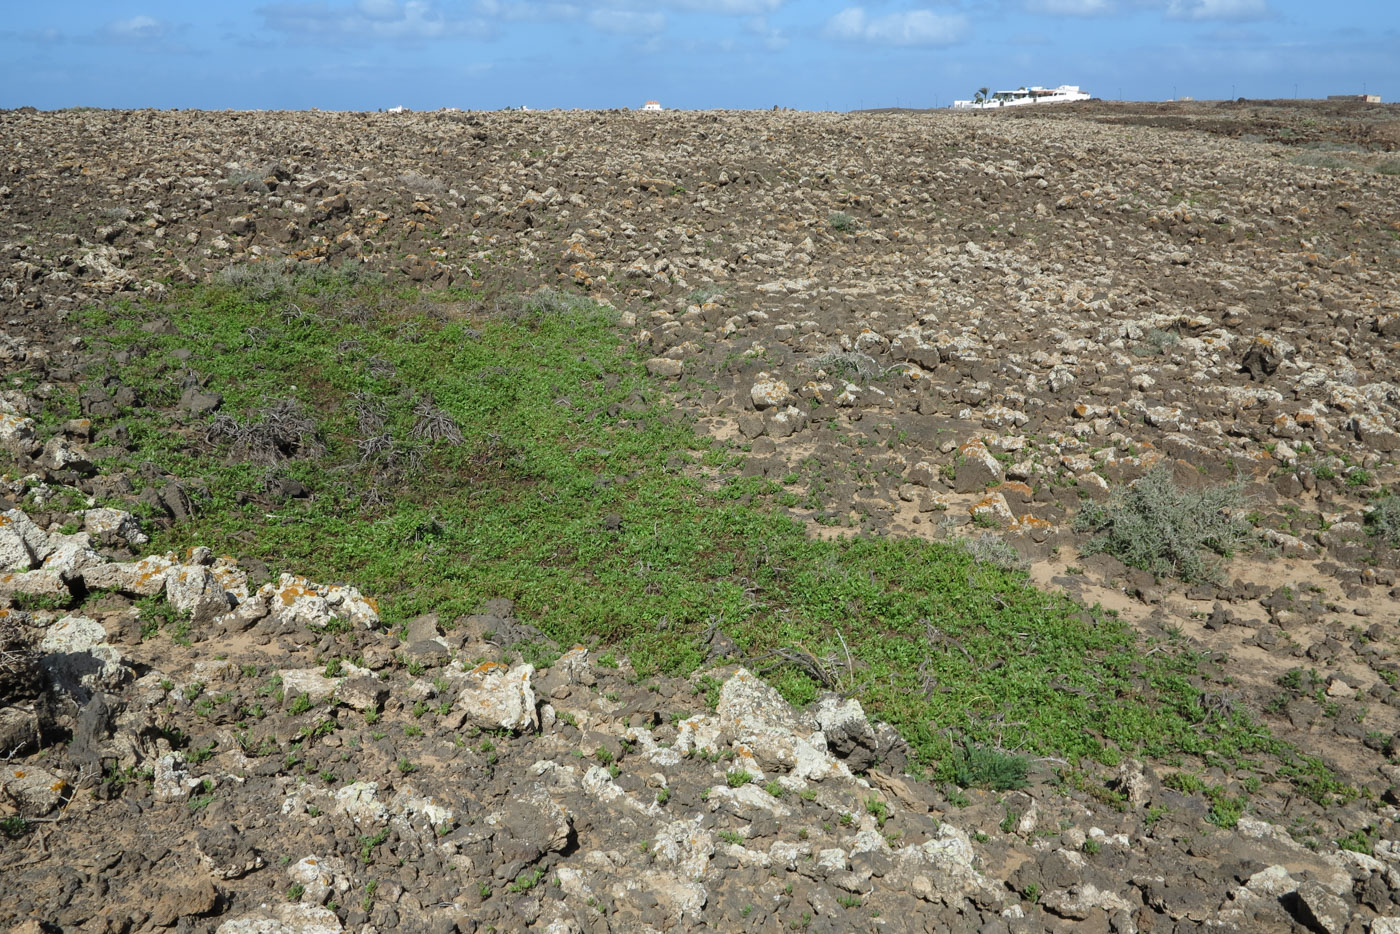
{"type": "Point", "coordinates": [772, 37]}
{"type": "Point", "coordinates": [913, 27]}
{"type": "Point", "coordinates": [527, 10]}
{"type": "Point", "coordinates": [637, 11]}
{"type": "Point", "coordinates": [137, 29]}
{"type": "Point", "coordinates": [379, 9]}
{"type": "Point", "coordinates": [725, 7]}
{"type": "Point", "coordinates": [413, 20]}
{"type": "Point", "coordinates": [1071, 7]}
{"type": "Point", "coordinates": [626, 22]}
{"type": "Point", "coordinates": [1218, 9]}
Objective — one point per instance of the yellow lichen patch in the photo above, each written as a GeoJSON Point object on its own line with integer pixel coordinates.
{"type": "Point", "coordinates": [294, 592]}
{"type": "Point", "coordinates": [1015, 488]}
{"type": "Point", "coordinates": [993, 506]}
{"type": "Point", "coordinates": [486, 668]}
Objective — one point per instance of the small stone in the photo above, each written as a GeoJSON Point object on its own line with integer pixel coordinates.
{"type": "Point", "coordinates": [284, 919]}
{"type": "Point", "coordinates": [101, 523]}
{"type": "Point", "coordinates": [497, 698]}
{"type": "Point", "coordinates": [1321, 910]}
{"type": "Point", "coordinates": [36, 791]}
{"type": "Point", "coordinates": [194, 589]}
{"type": "Point", "coordinates": [22, 543]}
{"type": "Point", "coordinates": [848, 732]}
{"type": "Point", "coordinates": [768, 391]}
{"type": "Point", "coordinates": [685, 845]}
{"type": "Point", "coordinates": [195, 899]}
{"type": "Point", "coordinates": [976, 468]}
{"type": "Point", "coordinates": [1262, 358]}
{"type": "Point", "coordinates": [363, 693]}
{"type": "Point", "coordinates": [144, 578]}
{"type": "Point", "coordinates": [299, 602]}
{"type": "Point", "coordinates": [665, 367]}
{"type": "Point", "coordinates": [41, 583]}
{"type": "Point", "coordinates": [1337, 688]}
{"type": "Point", "coordinates": [308, 681]}
{"type": "Point", "coordinates": [16, 433]}
{"type": "Point", "coordinates": [198, 402]}
{"type": "Point", "coordinates": [79, 659]}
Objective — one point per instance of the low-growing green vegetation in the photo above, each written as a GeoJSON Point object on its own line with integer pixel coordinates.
{"type": "Point", "coordinates": [456, 449]}
{"type": "Point", "coordinates": [976, 766]}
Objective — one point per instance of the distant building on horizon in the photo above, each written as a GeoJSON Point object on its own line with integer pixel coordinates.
{"type": "Point", "coordinates": [1356, 98]}
{"type": "Point", "coordinates": [1022, 96]}
{"type": "Point", "coordinates": [652, 105]}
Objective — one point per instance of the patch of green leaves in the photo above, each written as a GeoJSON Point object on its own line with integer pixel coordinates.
{"type": "Point", "coordinates": [526, 881]}
{"type": "Point", "coordinates": [514, 509]}
{"type": "Point", "coordinates": [368, 842]}
{"type": "Point", "coordinates": [977, 766]}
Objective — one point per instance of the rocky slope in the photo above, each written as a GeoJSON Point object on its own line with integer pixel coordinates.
{"type": "Point", "coordinates": [925, 322]}
{"type": "Point", "coordinates": [284, 764]}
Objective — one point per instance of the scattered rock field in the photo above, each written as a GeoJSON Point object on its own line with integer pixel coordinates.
{"type": "Point", "coordinates": [931, 325]}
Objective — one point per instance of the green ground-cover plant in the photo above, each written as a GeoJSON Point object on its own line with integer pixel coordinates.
{"type": "Point", "coordinates": [1157, 526]}
{"type": "Point", "coordinates": [461, 451]}
{"type": "Point", "coordinates": [976, 766]}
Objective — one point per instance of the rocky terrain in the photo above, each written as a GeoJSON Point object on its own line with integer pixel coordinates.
{"type": "Point", "coordinates": [921, 325]}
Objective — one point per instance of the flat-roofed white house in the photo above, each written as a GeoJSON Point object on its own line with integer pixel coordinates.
{"type": "Point", "coordinates": [1022, 96]}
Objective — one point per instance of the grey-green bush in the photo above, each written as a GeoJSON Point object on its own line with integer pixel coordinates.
{"type": "Point", "coordinates": [1159, 527]}
{"type": "Point", "coordinates": [1384, 519]}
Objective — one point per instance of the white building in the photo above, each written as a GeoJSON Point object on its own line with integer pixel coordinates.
{"type": "Point", "coordinates": [651, 105]}
{"type": "Point", "coordinates": [1023, 95]}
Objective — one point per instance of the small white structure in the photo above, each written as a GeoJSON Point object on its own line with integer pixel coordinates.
{"type": "Point", "coordinates": [651, 105]}
{"type": "Point", "coordinates": [1023, 96]}
{"type": "Point", "coordinates": [396, 110]}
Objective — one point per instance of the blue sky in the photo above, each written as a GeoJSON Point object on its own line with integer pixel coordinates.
{"type": "Point", "coordinates": [808, 54]}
